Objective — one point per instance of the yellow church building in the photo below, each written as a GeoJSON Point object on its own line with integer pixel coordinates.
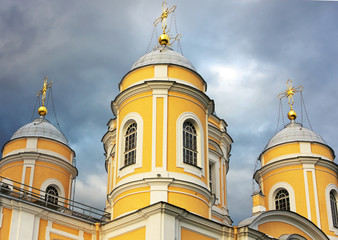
{"type": "Point", "coordinates": [167, 159]}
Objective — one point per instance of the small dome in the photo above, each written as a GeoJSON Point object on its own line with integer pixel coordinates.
{"type": "Point", "coordinates": [40, 127]}
{"type": "Point", "coordinates": [163, 55]}
{"type": "Point", "coordinates": [294, 132]}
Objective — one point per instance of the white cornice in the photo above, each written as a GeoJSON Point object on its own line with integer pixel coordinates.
{"type": "Point", "coordinates": [40, 157]}
{"type": "Point", "coordinates": [295, 161]}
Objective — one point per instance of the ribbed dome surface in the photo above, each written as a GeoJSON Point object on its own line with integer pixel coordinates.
{"type": "Point", "coordinates": [294, 132]}
{"type": "Point", "coordinates": [40, 127]}
{"type": "Point", "coordinates": [163, 55]}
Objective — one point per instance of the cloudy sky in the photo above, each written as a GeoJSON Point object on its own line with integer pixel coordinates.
{"type": "Point", "coordinates": [245, 50]}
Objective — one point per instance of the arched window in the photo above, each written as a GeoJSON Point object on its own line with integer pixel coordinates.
{"type": "Point", "coordinates": [130, 145]}
{"type": "Point", "coordinates": [189, 143]}
{"type": "Point", "coordinates": [51, 195]}
{"type": "Point", "coordinates": [334, 212]}
{"type": "Point", "coordinates": [282, 201]}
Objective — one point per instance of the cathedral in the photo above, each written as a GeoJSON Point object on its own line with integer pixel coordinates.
{"type": "Point", "coordinates": [167, 158]}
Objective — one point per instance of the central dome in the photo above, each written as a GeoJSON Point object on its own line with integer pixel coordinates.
{"type": "Point", "coordinates": [294, 132]}
{"type": "Point", "coordinates": [163, 55]}
{"type": "Point", "coordinates": [40, 127]}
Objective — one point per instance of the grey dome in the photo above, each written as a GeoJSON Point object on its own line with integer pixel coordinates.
{"type": "Point", "coordinates": [40, 127]}
{"type": "Point", "coordinates": [294, 132]}
{"type": "Point", "coordinates": [163, 55]}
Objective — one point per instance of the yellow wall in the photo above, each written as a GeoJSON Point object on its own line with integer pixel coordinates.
{"type": "Point", "coordinates": [178, 104]}
{"type": "Point", "coordinates": [190, 235]}
{"type": "Point", "coordinates": [136, 76]}
{"type": "Point", "coordinates": [188, 200]}
{"type": "Point", "coordinates": [130, 203]}
{"type": "Point", "coordinates": [143, 107]}
{"type": "Point", "coordinates": [14, 145]}
{"type": "Point", "coordinates": [324, 177]}
{"type": "Point", "coordinates": [292, 175]}
{"type": "Point", "coordinates": [65, 229]}
{"type": "Point", "coordinates": [42, 229]}
{"type": "Point", "coordinates": [12, 171]}
{"type": "Point", "coordinates": [186, 75]}
{"type": "Point", "coordinates": [55, 147]}
{"type": "Point", "coordinates": [44, 171]}
{"type": "Point", "coordinates": [138, 234]}
{"type": "Point", "coordinates": [280, 151]}
{"type": "Point", "coordinates": [6, 223]}
{"type": "Point", "coordinates": [276, 229]}
{"type": "Point", "coordinates": [320, 149]}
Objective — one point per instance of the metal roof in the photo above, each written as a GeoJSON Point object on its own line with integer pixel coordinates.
{"type": "Point", "coordinates": [40, 127]}
{"type": "Point", "coordinates": [163, 55]}
{"type": "Point", "coordinates": [294, 132]}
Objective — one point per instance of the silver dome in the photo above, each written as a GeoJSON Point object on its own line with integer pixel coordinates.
{"type": "Point", "coordinates": [163, 55]}
{"type": "Point", "coordinates": [40, 127]}
{"type": "Point", "coordinates": [294, 132]}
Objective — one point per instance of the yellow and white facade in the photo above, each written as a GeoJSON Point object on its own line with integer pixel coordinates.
{"type": "Point", "coordinates": [298, 173]}
{"type": "Point", "coordinates": [167, 159]}
{"type": "Point", "coordinates": [159, 98]}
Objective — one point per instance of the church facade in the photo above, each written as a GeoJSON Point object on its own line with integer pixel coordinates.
{"type": "Point", "coordinates": [167, 159]}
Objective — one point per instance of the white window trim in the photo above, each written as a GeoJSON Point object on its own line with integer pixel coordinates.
{"type": "Point", "coordinates": [55, 183]}
{"type": "Point", "coordinates": [328, 189]}
{"type": "Point", "coordinates": [214, 161]}
{"type": "Point", "coordinates": [199, 170]}
{"type": "Point", "coordinates": [275, 188]}
{"type": "Point", "coordinates": [128, 119]}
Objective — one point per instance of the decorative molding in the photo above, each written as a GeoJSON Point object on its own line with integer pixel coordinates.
{"type": "Point", "coordinates": [128, 119]}
{"type": "Point", "coordinates": [200, 169]}
{"type": "Point", "coordinates": [275, 188]}
{"type": "Point", "coordinates": [288, 217]}
{"type": "Point", "coordinates": [55, 183]}
{"type": "Point", "coordinates": [328, 189]}
{"type": "Point", "coordinates": [40, 157]}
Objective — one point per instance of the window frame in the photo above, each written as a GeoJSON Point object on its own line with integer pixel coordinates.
{"type": "Point", "coordinates": [54, 198]}
{"type": "Point", "coordinates": [281, 199]}
{"type": "Point", "coordinates": [275, 189]}
{"type": "Point", "coordinates": [334, 207]}
{"type": "Point", "coordinates": [189, 143]}
{"type": "Point", "coordinates": [214, 166]}
{"type": "Point", "coordinates": [57, 185]}
{"type": "Point", "coordinates": [331, 188]}
{"type": "Point", "coordinates": [199, 169]}
{"type": "Point", "coordinates": [130, 118]}
{"type": "Point", "coordinates": [130, 144]}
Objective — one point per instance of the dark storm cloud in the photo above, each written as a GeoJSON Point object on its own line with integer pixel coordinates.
{"type": "Point", "coordinates": [245, 50]}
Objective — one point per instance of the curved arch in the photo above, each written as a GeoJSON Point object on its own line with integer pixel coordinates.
{"type": "Point", "coordinates": [189, 116]}
{"type": "Point", "coordinates": [277, 187]}
{"type": "Point", "coordinates": [291, 237]}
{"type": "Point", "coordinates": [291, 218]}
{"type": "Point", "coordinates": [329, 188]}
{"type": "Point", "coordinates": [130, 118]}
{"type": "Point", "coordinates": [54, 183]}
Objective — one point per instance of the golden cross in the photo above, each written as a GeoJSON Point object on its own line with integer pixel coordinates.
{"type": "Point", "coordinates": [44, 90]}
{"type": "Point", "coordinates": [164, 15]}
{"type": "Point", "coordinates": [290, 92]}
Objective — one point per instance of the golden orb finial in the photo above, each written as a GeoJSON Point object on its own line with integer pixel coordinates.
{"type": "Point", "coordinates": [292, 115]}
{"type": "Point", "coordinates": [163, 39]}
{"type": "Point", "coordinates": [42, 111]}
